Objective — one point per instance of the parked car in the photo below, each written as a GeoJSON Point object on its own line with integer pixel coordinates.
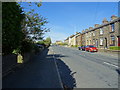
{"type": "Point", "coordinates": [79, 48]}
{"type": "Point", "coordinates": [82, 48]}
{"type": "Point", "coordinates": [91, 48]}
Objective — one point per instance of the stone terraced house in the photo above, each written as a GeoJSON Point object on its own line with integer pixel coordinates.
{"type": "Point", "coordinates": [102, 36]}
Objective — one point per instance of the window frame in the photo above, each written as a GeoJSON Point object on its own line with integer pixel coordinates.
{"type": "Point", "coordinates": [101, 41]}
{"type": "Point", "coordinates": [112, 40]}
{"type": "Point", "coordinates": [112, 27]}
{"type": "Point", "coordinates": [101, 30]}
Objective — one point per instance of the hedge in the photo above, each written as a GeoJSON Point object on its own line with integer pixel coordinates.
{"type": "Point", "coordinates": [115, 48]}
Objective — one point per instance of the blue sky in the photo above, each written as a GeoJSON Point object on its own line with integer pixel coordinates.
{"type": "Point", "coordinates": [66, 18]}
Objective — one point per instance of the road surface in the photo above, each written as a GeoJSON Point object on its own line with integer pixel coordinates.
{"type": "Point", "coordinates": [87, 70]}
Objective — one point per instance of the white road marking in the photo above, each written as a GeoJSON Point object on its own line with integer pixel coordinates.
{"type": "Point", "coordinates": [60, 80]}
{"type": "Point", "coordinates": [110, 64]}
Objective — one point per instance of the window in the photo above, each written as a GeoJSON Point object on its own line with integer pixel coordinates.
{"type": "Point", "coordinates": [101, 41]}
{"type": "Point", "coordinates": [93, 41]}
{"type": "Point", "coordinates": [93, 33]}
{"type": "Point", "coordinates": [112, 27]}
{"type": "Point", "coordinates": [112, 41]}
{"type": "Point", "coordinates": [101, 31]}
{"type": "Point", "coordinates": [90, 42]}
{"type": "Point", "coordinates": [90, 34]}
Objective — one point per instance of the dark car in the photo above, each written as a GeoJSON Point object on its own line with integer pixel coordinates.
{"type": "Point", "coordinates": [91, 48]}
{"type": "Point", "coordinates": [82, 48]}
{"type": "Point", "coordinates": [79, 48]}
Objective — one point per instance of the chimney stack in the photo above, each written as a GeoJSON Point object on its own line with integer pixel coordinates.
{"type": "Point", "coordinates": [96, 25]}
{"type": "Point", "coordinates": [86, 30]}
{"type": "Point", "coordinates": [113, 17]}
{"type": "Point", "coordinates": [104, 21]}
{"type": "Point", "coordinates": [83, 31]}
{"type": "Point", "coordinates": [90, 28]}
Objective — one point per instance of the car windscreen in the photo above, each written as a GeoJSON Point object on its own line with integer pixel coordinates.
{"type": "Point", "coordinates": [91, 46]}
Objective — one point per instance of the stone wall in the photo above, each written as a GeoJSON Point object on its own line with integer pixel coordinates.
{"type": "Point", "coordinates": [9, 62]}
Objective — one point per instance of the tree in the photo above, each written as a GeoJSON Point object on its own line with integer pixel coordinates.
{"type": "Point", "coordinates": [47, 41]}
{"type": "Point", "coordinates": [12, 16]}
{"type": "Point", "coordinates": [20, 27]}
{"type": "Point", "coordinates": [33, 25]}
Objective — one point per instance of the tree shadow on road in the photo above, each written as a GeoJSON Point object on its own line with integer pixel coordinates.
{"type": "Point", "coordinates": [66, 74]}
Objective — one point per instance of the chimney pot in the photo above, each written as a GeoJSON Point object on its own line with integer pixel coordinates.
{"type": "Point", "coordinates": [90, 28]}
{"type": "Point", "coordinates": [104, 21]}
{"type": "Point", "coordinates": [96, 25]}
{"type": "Point", "coordinates": [113, 17]}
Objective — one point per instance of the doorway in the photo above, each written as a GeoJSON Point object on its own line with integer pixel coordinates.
{"type": "Point", "coordinates": [105, 42]}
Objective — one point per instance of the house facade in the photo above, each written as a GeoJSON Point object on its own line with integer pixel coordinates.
{"type": "Point", "coordinates": [78, 37]}
{"type": "Point", "coordinates": [58, 42]}
{"type": "Point", "coordinates": [102, 36]}
{"type": "Point", "coordinates": [66, 40]}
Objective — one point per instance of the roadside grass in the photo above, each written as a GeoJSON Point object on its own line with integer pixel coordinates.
{"type": "Point", "coordinates": [114, 48]}
{"type": "Point", "coordinates": [74, 46]}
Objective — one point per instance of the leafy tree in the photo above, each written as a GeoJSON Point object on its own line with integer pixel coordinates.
{"type": "Point", "coordinates": [12, 16]}
{"type": "Point", "coordinates": [20, 27]}
{"type": "Point", "coordinates": [33, 25]}
{"type": "Point", "coordinates": [45, 42]}
{"type": "Point", "coordinates": [48, 41]}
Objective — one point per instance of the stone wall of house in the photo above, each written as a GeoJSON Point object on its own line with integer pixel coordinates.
{"type": "Point", "coordinates": [102, 36]}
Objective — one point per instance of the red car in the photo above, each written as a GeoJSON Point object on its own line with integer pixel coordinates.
{"type": "Point", "coordinates": [91, 48]}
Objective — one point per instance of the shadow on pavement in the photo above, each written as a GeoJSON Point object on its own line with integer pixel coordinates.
{"type": "Point", "coordinates": [66, 74]}
{"type": "Point", "coordinates": [40, 72]}
{"type": "Point", "coordinates": [118, 71]}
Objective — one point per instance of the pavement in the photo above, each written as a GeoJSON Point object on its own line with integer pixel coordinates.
{"type": "Point", "coordinates": [40, 72]}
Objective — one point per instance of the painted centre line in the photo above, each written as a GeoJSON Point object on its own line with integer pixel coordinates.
{"type": "Point", "coordinates": [111, 64]}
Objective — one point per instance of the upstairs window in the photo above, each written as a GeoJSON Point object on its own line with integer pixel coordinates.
{"type": "Point", "coordinates": [112, 27]}
{"type": "Point", "coordinates": [101, 31]}
{"type": "Point", "coordinates": [93, 33]}
{"type": "Point", "coordinates": [90, 34]}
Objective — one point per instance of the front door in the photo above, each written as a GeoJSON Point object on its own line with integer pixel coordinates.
{"type": "Point", "coordinates": [119, 41]}
{"type": "Point", "coordinates": [96, 43]}
{"type": "Point", "coordinates": [105, 42]}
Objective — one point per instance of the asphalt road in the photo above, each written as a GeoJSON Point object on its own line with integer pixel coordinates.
{"type": "Point", "coordinates": [89, 70]}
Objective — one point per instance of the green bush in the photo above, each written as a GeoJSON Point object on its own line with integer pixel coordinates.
{"type": "Point", "coordinates": [74, 46]}
{"type": "Point", "coordinates": [16, 51]}
{"type": "Point", "coordinates": [27, 46]}
{"type": "Point", "coordinates": [36, 48]}
{"type": "Point", "coordinates": [12, 16]}
{"type": "Point", "coordinates": [115, 48]}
